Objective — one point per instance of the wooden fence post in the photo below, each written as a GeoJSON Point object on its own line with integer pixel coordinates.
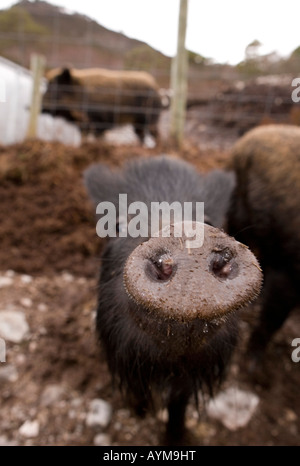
{"type": "Point", "coordinates": [179, 80]}
{"type": "Point", "coordinates": [37, 66]}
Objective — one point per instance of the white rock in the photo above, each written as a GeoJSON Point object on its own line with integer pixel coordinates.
{"type": "Point", "coordinates": [26, 279]}
{"type": "Point", "coordinates": [30, 429]}
{"type": "Point", "coordinates": [51, 394]}
{"type": "Point", "coordinates": [42, 307]}
{"type": "Point", "coordinates": [20, 359]}
{"type": "Point", "coordinates": [162, 415]}
{"type": "Point", "coordinates": [149, 141]}
{"type": "Point", "coordinates": [8, 373]}
{"type": "Point", "coordinates": [100, 413]}
{"type": "Point", "coordinates": [233, 407]}
{"type": "Point", "coordinates": [102, 440]}
{"type": "Point", "coordinates": [10, 273]}
{"type": "Point", "coordinates": [26, 302]}
{"type": "Point", "coordinates": [67, 277]}
{"type": "Point", "coordinates": [121, 136]}
{"type": "Point", "coordinates": [290, 415]}
{"type": "Point", "coordinates": [13, 326]}
{"type": "Point", "coordinates": [5, 281]}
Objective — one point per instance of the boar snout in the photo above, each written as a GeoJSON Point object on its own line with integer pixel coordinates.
{"type": "Point", "coordinates": [174, 281]}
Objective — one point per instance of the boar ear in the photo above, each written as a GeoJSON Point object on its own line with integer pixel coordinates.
{"type": "Point", "coordinates": [102, 184]}
{"type": "Point", "coordinates": [65, 77]}
{"type": "Point", "coordinates": [218, 187]}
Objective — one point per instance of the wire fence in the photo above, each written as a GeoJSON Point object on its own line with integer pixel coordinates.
{"type": "Point", "coordinates": [80, 43]}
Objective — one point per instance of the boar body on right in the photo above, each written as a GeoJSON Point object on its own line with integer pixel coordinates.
{"type": "Point", "coordinates": [265, 215]}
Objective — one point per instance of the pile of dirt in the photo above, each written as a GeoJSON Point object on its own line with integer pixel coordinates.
{"type": "Point", "coordinates": [47, 221]}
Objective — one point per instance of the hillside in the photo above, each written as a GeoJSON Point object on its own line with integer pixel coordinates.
{"type": "Point", "coordinates": [63, 38]}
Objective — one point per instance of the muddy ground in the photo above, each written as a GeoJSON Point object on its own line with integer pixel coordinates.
{"type": "Point", "coordinates": [49, 261]}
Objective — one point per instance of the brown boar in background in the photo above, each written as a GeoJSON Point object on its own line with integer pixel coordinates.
{"type": "Point", "coordinates": [98, 99]}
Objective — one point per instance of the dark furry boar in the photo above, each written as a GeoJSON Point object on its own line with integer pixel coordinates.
{"type": "Point", "coordinates": [98, 99]}
{"type": "Point", "coordinates": [167, 314]}
{"type": "Point", "coordinates": [265, 215]}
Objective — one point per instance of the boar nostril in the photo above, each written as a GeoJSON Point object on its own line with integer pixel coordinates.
{"type": "Point", "coordinates": [161, 268]}
{"type": "Point", "coordinates": [222, 263]}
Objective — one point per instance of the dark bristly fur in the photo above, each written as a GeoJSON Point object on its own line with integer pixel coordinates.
{"type": "Point", "coordinates": [142, 366]}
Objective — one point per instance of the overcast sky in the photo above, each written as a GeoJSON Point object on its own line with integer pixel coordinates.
{"type": "Point", "coordinates": [220, 29]}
